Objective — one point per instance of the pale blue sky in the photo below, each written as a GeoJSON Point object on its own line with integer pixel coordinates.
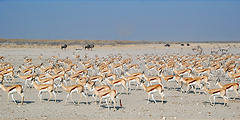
{"type": "Point", "coordinates": [163, 20]}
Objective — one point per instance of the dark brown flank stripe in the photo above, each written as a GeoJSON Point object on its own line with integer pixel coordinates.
{"type": "Point", "coordinates": [136, 75]}
{"type": "Point", "coordinates": [44, 88]}
{"type": "Point", "coordinates": [191, 81]}
{"type": "Point", "coordinates": [94, 78]}
{"type": "Point", "coordinates": [27, 70]}
{"type": "Point", "coordinates": [229, 87]}
{"type": "Point", "coordinates": [237, 76]}
{"type": "Point", "coordinates": [216, 91]}
{"type": "Point", "coordinates": [100, 89]}
{"type": "Point", "coordinates": [152, 88]}
{"type": "Point", "coordinates": [132, 78]}
{"type": "Point", "coordinates": [182, 72]}
{"type": "Point", "coordinates": [204, 70]}
{"type": "Point", "coordinates": [28, 77]}
{"type": "Point", "coordinates": [74, 88]}
{"type": "Point", "coordinates": [116, 82]}
{"type": "Point", "coordinates": [105, 93]}
{"type": "Point", "coordinates": [46, 80]}
{"type": "Point", "coordinates": [11, 88]}
{"type": "Point", "coordinates": [170, 77]}
{"type": "Point", "coordinates": [152, 78]}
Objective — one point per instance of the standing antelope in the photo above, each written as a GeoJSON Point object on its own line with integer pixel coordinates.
{"type": "Point", "coordinates": [44, 88]}
{"type": "Point", "coordinates": [108, 94]}
{"type": "Point", "coordinates": [216, 92]}
{"type": "Point", "coordinates": [131, 79]}
{"type": "Point", "coordinates": [229, 86]}
{"type": "Point", "coordinates": [74, 88]}
{"type": "Point", "coordinates": [13, 89]}
{"type": "Point", "coordinates": [118, 82]}
{"type": "Point", "coordinates": [96, 89]}
{"type": "Point", "coordinates": [152, 89]}
{"type": "Point", "coordinates": [27, 78]}
{"type": "Point", "coordinates": [152, 79]}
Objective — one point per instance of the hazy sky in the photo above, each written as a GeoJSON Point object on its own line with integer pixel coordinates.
{"type": "Point", "coordinates": [158, 20]}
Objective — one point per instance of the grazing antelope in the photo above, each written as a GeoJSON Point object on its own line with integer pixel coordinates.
{"type": "Point", "coordinates": [13, 89]}
{"type": "Point", "coordinates": [27, 60]}
{"type": "Point", "coordinates": [74, 88]}
{"type": "Point", "coordinates": [2, 58]}
{"type": "Point", "coordinates": [216, 92]}
{"type": "Point", "coordinates": [44, 88]}
{"type": "Point", "coordinates": [229, 86]}
{"type": "Point", "coordinates": [152, 89]}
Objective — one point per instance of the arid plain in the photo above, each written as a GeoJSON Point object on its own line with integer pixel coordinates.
{"type": "Point", "coordinates": [177, 105]}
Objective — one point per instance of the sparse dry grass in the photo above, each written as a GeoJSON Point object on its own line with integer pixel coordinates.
{"type": "Point", "coordinates": [28, 43]}
{"type": "Point", "coordinates": [22, 43]}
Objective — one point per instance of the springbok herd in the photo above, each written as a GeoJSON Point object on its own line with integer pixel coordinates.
{"type": "Point", "coordinates": [109, 77]}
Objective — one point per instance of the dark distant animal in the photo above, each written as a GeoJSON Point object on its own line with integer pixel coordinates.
{"type": "Point", "coordinates": [64, 46]}
{"type": "Point", "coordinates": [89, 46]}
{"type": "Point", "coordinates": [188, 44]}
{"type": "Point", "coordinates": [182, 44]}
{"type": "Point", "coordinates": [167, 45]}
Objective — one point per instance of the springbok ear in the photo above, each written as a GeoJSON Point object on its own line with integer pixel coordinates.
{"type": "Point", "coordinates": [218, 79]}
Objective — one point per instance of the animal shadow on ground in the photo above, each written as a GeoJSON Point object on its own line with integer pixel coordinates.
{"type": "Point", "coordinates": [124, 93]}
{"type": "Point", "coordinates": [90, 95]}
{"type": "Point", "coordinates": [58, 91]}
{"type": "Point", "coordinates": [76, 103]}
{"type": "Point", "coordinates": [52, 100]}
{"type": "Point", "coordinates": [232, 98]}
{"type": "Point", "coordinates": [158, 101]}
{"type": "Point", "coordinates": [216, 103]}
{"type": "Point", "coordinates": [84, 102]}
{"type": "Point", "coordinates": [25, 102]}
{"type": "Point", "coordinates": [111, 107]}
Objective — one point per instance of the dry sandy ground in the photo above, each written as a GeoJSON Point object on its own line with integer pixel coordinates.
{"type": "Point", "coordinates": [176, 105]}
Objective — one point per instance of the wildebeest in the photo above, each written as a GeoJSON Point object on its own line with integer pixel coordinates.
{"type": "Point", "coordinates": [64, 46]}
{"type": "Point", "coordinates": [167, 45]}
{"type": "Point", "coordinates": [89, 46]}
